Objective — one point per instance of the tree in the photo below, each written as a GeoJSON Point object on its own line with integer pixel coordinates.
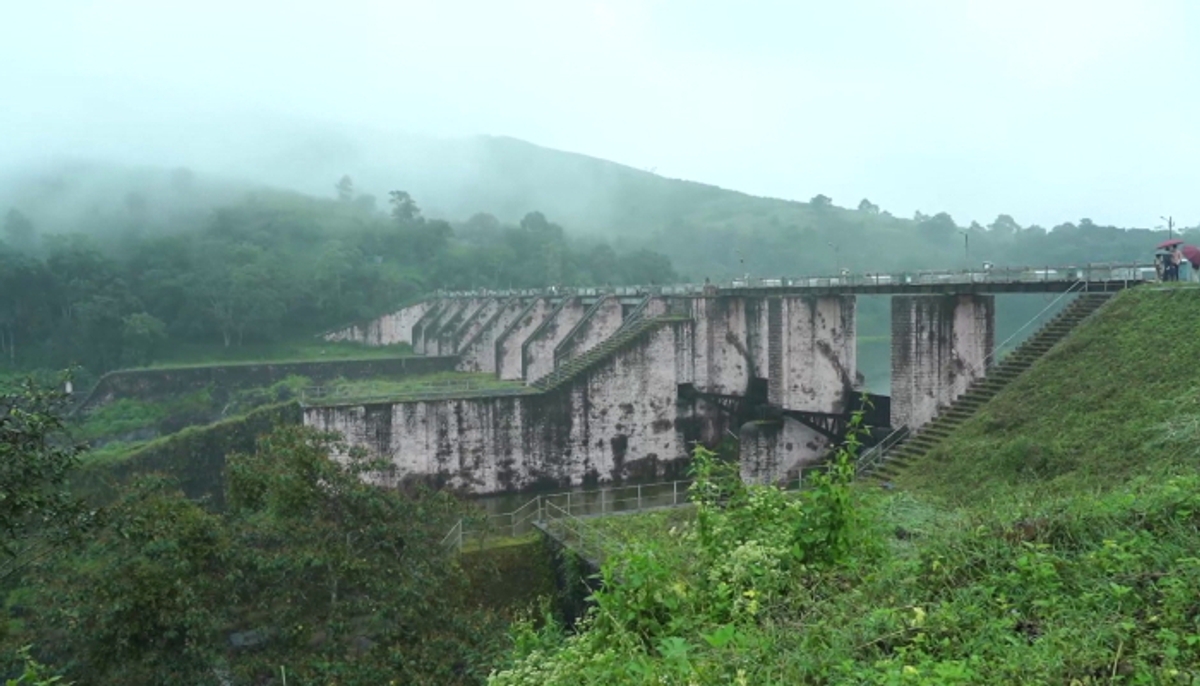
{"type": "Point", "coordinates": [1005, 225]}
{"type": "Point", "coordinates": [144, 601]}
{"type": "Point", "coordinates": [648, 267]}
{"type": "Point", "coordinates": [37, 510]}
{"type": "Point", "coordinates": [311, 567]}
{"type": "Point", "coordinates": [141, 336]}
{"type": "Point", "coordinates": [404, 208]}
{"type": "Point", "coordinates": [938, 228]}
{"type": "Point", "coordinates": [345, 188]}
{"type": "Point", "coordinates": [365, 204]}
{"type": "Point", "coordinates": [868, 207]}
{"type": "Point", "coordinates": [18, 230]}
{"type": "Point", "coordinates": [821, 202]}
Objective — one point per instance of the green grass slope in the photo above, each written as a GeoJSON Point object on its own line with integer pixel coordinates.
{"type": "Point", "coordinates": [1051, 540]}
{"type": "Point", "coordinates": [1120, 396]}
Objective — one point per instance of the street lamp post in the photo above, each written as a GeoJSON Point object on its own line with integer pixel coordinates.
{"type": "Point", "coordinates": [1170, 226]}
{"type": "Point", "coordinates": [966, 244]}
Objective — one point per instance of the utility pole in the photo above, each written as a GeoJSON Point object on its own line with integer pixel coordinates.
{"type": "Point", "coordinates": [966, 244]}
{"type": "Point", "coordinates": [1170, 226]}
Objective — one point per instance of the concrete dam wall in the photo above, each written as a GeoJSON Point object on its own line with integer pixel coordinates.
{"type": "Point", "coordinates": [606, 375]}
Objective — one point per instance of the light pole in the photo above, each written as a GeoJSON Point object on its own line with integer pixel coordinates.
{"type": "Point", "coordinates": [967, 244]}
{"type": "Point", "coordinates": [1170, 226]}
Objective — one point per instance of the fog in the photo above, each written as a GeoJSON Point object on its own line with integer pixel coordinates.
{"type": "Point", "coordinates": [1046, 110]}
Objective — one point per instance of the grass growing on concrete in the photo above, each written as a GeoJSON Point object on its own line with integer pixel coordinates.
{"type": "Point", "coordinates": [119, 428]}
{"type": "Point", "coordinates": [300, 350]}
{"type": "Point", "coordinates": [440, 384]}
{"type": "Point", "coordinates": [1119, 397]}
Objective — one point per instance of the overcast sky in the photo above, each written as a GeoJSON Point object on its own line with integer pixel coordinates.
{"type": "Point", "coordinates": [1051, 110]}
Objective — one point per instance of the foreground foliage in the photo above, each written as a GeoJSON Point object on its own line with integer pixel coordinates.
{"type": "Point", "coordinates": [843, 585]}
{"type": "Point", "coordinates": [311, 568]}
{"type": "Point", "coordinates": [37, 511]}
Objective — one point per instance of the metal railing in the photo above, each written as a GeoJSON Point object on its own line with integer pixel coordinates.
{"type": "Point", "coordinates": [1097, 272]}
{"type": "Point", "coordinates": [572, 532]}
{"type": "Point", "coordinates": [601, 502]}
{"type": "Point", "coordinates": [982, 367]}
{"type": "Point", "coordinates": [873, 456]}
{"type": "Point", "coordinates": [561, 350]}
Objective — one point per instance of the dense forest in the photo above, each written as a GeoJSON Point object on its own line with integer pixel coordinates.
{"type": "Point", "coordinates": [272, 265]}
{"type": "Point", "coordinates": [308, 575]}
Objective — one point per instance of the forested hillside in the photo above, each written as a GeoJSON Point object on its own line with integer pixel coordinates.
{"type": "Point", "coordinates": [705, 230]}
{"type": "Point", "coordinates": [121, 286]}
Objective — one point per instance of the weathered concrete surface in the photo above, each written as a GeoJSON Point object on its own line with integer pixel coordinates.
{"type": "Point", "coordinates": [817, 350]}
{"type": "Point", "coordinates": [617, 421]}
{"type": "Point", "coordinates": [452, 341]}
{"type": "Point", "coordinates": [508, 343]}
{"type": "Point", "coordinates": [448, 326]}
{"type": "Point", "coordinates": [478, 351]}
{"type": "Point", "coordinates": [425, 322]}
{"type": "Point", "coordinates": [804, 346]}
{"type": "Point", "coordinates": [772, 452]}
{"type": "Point", "coordinates": [389, 329]}
{"type": "Point", "coordinates": [537, 352]}
{"type": "Point", "coordinates": [602, 321]}
{"type": "Point", "coordinates": [940, 344]}
{"type": "Point", "coordinates": [724, 362]}
{"type": "Point", "coordinates": [426, 327]}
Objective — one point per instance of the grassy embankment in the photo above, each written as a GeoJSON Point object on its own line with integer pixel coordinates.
{"type": "Point", "coordinates": [299, 350]}
{"type": "Point", "coordinates": [1052, 539]}
{"type": "Point", "coordinates": [122, 426]}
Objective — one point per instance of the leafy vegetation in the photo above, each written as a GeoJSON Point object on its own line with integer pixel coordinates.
{"type": "Point", "coordinates": [37, 510]}
{"type": "Point", "coordinates": [310, 568]}
{"type": "Point", "coordinates": [1050, 540]}
{"type": "Point", "coordinates": [261, 272]}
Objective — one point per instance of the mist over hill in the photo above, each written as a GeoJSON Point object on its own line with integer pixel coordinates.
{"type": "Point", "coordinates": [707, 231]}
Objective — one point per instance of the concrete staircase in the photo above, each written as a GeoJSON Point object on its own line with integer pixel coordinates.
{"type": "Point", "coordinates": [894, 460]}
{"type": "Point", "coordinates": [580, 364]}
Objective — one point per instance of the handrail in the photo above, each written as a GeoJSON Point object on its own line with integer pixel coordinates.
{"type": "Point", "coordinates": [560, 348]}
{"type": "Point", "coordinates": [1092, 272]}
{"type": "Point", "coordinates": [635, 315]}
{"type": "Point", "coordinates": [876, 453]}
{"type": "Point", "coordinates": [620, 338]}
{"type": "Point", "coordinates": [599, 502]}
{"type": "Point", "coordinates": [996, 349]}
{"type": "Point", "coordinates": [600, 544]}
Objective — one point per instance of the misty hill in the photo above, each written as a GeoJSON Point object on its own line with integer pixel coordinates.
{"type": "Point", "coordinates": [705, 230]}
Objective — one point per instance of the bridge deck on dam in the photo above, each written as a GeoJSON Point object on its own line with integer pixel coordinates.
{"type": "Point", "coordinates": [1105, 277]}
